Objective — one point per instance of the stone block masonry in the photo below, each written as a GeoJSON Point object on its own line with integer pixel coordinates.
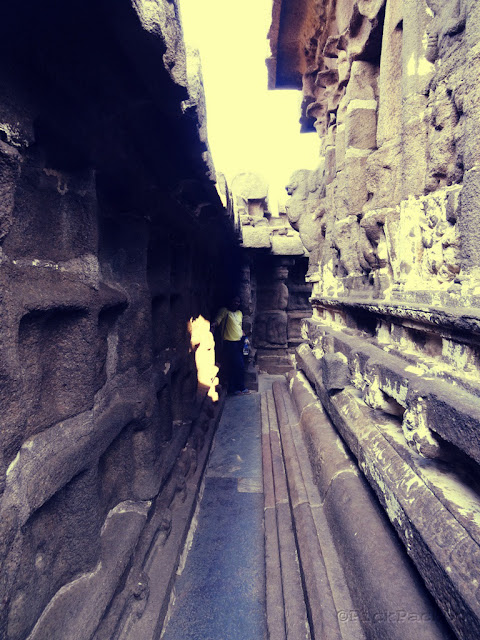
{"type": "Point", "coordinates": [390, 219]}
{"type": "Point", "coordinates": [111, 231]}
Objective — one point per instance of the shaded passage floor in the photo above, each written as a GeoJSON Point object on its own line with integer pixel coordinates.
{"type": "Point", "coordinates": [220, 593]}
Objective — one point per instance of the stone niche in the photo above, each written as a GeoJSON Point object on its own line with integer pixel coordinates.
{"type": "Point", "coordinates": [390, 221]}
{"type": "Point", "coordinates": [112, 238]}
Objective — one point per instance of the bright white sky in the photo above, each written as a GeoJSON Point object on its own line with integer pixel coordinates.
{"type": "Point", "coordinates": [249, 127]}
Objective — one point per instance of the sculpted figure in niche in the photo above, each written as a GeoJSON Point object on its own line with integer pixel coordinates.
{"type": "Point", "coordinates": [345, 243]}
{"type": "Point", "coordinates": [359, 249]}
{"type": "Point", "coordinates": [373, 246]}
{"type": "Point", "coordinates": [277, 328]}
{"type": "Point", "coordinates": [271, 329]}
{"type": "Point", "coordinates": [273, 298]}
{"type": "Point", "coordinates": [273, 292]}
{"type": "Point", "coordinates": [356, 247]}
{"type": "Point", "coordinates": [306, 210]}
{"type": "Point", "coordinates": [441, 257]}
{"type": "Point", "coordinates": [445, 161]}
{"type": "Point", "coordinates": [450, 18]}
{"type": "Point", "coordinates": [280, 297]}
{"type": "Point", "coordinates": [250, 192]}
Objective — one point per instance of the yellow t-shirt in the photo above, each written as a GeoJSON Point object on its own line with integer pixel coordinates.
{"type": "Point", "coordinates": [233, 326]}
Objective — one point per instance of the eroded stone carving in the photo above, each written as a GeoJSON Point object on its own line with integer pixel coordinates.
{"type": "Point", "coordinates": [441, 244]}
{"type": "Point", "coordinates": [271, 328]}
{"type": "Point", "coordinates": [445, 154]}
{"type": "Point", "coordinates": [417, 433]}
{"type": "Point", "coordinates": [393, 95]}
{"type": "Point", "coordinates": [449, 20]}
{"type": "Point", "coordinates": [306, 211]}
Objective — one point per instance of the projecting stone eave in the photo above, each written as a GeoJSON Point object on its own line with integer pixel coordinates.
{"type": "Point", "coordinates": [262, 238]}
{"type": "Point", "coordinates": [286, 65]}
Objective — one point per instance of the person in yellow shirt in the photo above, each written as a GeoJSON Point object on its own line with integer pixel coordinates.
{"type": "Point", "coordinates": [229, 319]}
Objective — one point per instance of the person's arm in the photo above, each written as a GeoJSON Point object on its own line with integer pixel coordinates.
{"type": "Point", "coordinates": [220, 316]}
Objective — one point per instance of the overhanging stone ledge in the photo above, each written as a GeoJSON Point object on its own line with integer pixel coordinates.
{"type": "Point", "coordinates": [459, 318]}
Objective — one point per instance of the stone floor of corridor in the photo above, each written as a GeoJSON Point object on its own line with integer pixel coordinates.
{"type": "Point", "coordinates": [219, 592]}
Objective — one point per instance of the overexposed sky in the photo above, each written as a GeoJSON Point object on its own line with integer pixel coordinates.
{"type": "Point", "coordinates": [249, 127]}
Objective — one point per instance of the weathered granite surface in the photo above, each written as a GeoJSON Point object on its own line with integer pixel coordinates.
{"type": "Point", "coordinates": [390, 221]}
{"type": "Point", "coordinates": [111, 230]}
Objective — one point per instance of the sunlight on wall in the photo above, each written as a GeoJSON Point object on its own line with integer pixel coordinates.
{"type": "Point", "coordinates": [249, 127]}
{"type": "Point", "coordinates": [204, 346]}
{"type": "Point", "coordinates": [419, 66]}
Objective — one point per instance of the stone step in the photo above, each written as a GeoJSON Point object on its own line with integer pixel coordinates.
{"type": "Point", "coordinates": [326, 593]}
{"type": "Point", "coordinates": [356, 579]}
{"type": "Point", "coordinates": [428, 503]}
{"type": "Point", "coordinates": [274, 363]}
{"type": "Point", "coordinates": [286, 610]}
{"type": "Point", "coordinates": [251, 376]}
{"type": "Point", "coordinates": [299, 570]}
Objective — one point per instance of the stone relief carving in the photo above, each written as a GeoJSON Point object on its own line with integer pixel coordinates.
{"type": "Point", "coordinates": [345, 244]}
{"type": "Point", "coordinates": [449, 20]}
{"type": "Point", "coordinates": [271, 328]}
{"type": "Point", "coordinates": [344, 212]}
{"type": "Point", "coordinates": [441, 244]}
{"type": "Point", "coordinates": [359, 245]}
{"type": "Point", "coordinates": [306, 210]}
{"type": "Point", "coordinates": [297, 189]}
{"type": "Point", "coordinates": [418, 244]}
{"type": "Point", "coordinates": [345, 35]}
{"type": "Point", "coordinates": [417, 433]}
{"type": "Point", "coordinates": [375, 251]}
{"type": "Point", "coordinates": [445, 138]}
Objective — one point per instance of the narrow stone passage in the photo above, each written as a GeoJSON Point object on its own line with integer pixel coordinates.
{"type": "Point", "coordinates": [220, 591]}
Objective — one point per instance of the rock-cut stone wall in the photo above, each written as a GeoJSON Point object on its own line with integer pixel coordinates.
{"type": "Point", "coordinates": [390, 218]}
{"type": "Point", "coordinates": [112, 237]}
{"type": "Point", "coordinates": [274, 293]}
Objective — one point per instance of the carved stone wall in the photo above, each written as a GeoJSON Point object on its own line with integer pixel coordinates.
{"type": "Point", "coordinates": [275, 296]}
{"type": "Point", "coordinates": [282, 303]}
{"type": "Point", "coordinates": [390, 220]}
{"type": "Point", "coordinates": [112, 239]}
{"type": "Point", "coordinates": [385, 90]}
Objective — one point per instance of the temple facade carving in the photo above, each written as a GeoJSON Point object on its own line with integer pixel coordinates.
{"type": "Point", "coordinates": [388, 219]}
{"type": "Point", "coordinates": [274, 291]}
